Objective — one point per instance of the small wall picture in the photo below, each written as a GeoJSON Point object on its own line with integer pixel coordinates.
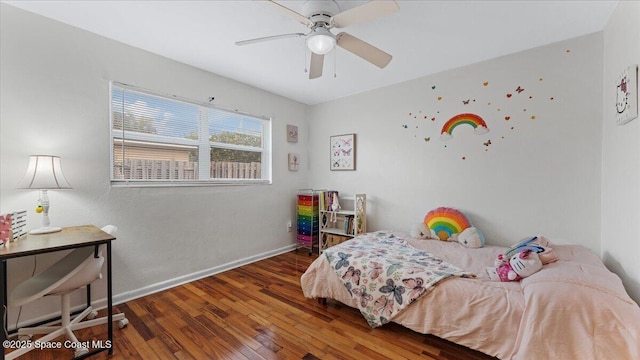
{"type": "Point", "coordinates": [343, 152]}
{"type": "Point", "coordinates": [292, 133]}
{"type": "Point", "coordinates": [627, 95]}
{"type": "Point", "coordinates": [294, 162]}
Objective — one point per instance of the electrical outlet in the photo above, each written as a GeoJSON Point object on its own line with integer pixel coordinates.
{"type": "Point", "coordinates": [289, 226]}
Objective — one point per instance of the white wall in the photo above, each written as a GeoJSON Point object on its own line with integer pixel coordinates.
{"type": "Point", "coordinates": [54, 99]}
{"type": "Point", "coordinates": [541, 177]}
{"type": "Point", "coordinates": [621, 153]}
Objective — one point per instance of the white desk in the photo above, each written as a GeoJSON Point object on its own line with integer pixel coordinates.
{"type": "Point", "coordinates": [69, 238]}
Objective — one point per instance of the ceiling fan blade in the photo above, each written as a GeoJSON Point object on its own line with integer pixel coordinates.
{"type": "Point", "coordinates": [365, 50]}
{"type": "Point", "coordinates": [268, 38]}
{"type": "Point", "coordinates": [315, 68]}
{"type": "Point", "coordinates": [364, 13]}
{"type": "Point", "coordinates": [291, 14]}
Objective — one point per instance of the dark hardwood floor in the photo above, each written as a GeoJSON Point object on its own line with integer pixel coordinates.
{"type": "Point", "coordinates": [256, 311]}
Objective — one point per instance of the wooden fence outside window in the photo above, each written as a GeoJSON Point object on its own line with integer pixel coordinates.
{"type": "Point", "coordinates": [141, 169]}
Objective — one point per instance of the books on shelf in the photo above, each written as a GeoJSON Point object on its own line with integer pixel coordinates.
{"type": "Point", "coordinates": [326, 199]}
{"type": "Point", "coordinates": [348, 224]}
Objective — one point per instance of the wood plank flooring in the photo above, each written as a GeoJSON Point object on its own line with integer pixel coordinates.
{"type": "Point", "coordinates": [256, 311]}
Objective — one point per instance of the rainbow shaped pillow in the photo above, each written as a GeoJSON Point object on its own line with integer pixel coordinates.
{"type": "Point", "coordinates": [444, 222]}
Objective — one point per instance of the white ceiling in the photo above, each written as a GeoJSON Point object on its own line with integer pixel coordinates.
{"type": "Point", "coordinates": [424, 37]}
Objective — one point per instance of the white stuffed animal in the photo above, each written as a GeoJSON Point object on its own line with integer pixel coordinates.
{"type": "Point", "coordinates": [470, 237]}
{"type": "Point", "coordinates": [525, 263]}
{"type": "Point", "coordinates": [335, 207]}
{"type": "Point", "coordinates": [420, 231]}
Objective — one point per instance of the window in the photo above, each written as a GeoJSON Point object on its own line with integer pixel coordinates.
{"type": "Point", "coordinates": [160, 139]}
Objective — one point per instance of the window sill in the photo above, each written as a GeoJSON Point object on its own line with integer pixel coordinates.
{"type": "Point", "coordinates": [173, 184]}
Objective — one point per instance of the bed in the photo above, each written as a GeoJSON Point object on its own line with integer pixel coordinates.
{"type": "Point", "coordinates": [573, 308]}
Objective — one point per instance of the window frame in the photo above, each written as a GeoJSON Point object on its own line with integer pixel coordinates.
{"type": "Point", "coordinates": [203, 144]}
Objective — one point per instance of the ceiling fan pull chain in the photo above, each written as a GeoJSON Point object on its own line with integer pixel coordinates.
{"type": "Point", "coordinates": [305, 60]}
{"type": "Point", "coordinates": [335, 63]}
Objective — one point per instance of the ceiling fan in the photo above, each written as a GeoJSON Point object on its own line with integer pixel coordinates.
{"type": "Point", "coordinates": [321, 17]}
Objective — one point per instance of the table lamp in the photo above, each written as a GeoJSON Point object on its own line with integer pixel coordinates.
{"type": "Point", "coordinates": [44, 173]}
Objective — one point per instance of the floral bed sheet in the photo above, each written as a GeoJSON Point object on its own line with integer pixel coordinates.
{"type": "Point", "coordinates": [384, 274]}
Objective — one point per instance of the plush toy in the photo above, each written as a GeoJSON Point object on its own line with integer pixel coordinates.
{"type": "Point", "coordinates": [519, 266]}
{"type": "Point", "coordinates": [449, 224]}
{"type": "Point", "coordinates": [537, 244]}
{"type": "Point", "coordinates": [470, 237]}
{"type": "Point", "coordinates": [420, 231]}
{"type": "Point", "coordinates": [548, 255]}
{"type": "Point", "coordinates": [335, 207]}
{"type": "Point", "coordinates": [445, 221]}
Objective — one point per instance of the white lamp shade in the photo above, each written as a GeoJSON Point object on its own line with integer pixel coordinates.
{"type": "Point", "coordinates": [321, 42]}
{"type": "Point", "coordinates": [44, 172]}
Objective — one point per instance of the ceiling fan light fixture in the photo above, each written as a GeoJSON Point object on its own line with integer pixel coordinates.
{"type": "Point", "coordinates": [322, 15]}
{"type": "Point", "coordinates": [321, 42]}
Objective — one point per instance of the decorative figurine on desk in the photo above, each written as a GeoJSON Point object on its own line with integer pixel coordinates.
{"type": "Point", "coordinates": [12, 226]}
{"type": "Point", "coordinates": [335, 206]}
{"type": "Point", "coordinates": [5, 229]}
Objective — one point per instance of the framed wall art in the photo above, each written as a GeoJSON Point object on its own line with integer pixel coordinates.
{"type": "Point", "coordinates": [294, 162]}
{"type": "Point", "coordinates": [343, 152]}
{"type": "Point", "coordinates": [627, 95]}
{"type": "Point", "coordinates": [292, 133]}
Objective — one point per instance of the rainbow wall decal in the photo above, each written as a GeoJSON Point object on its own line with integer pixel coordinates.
{"type": "Point", "coordinates": [480, 127]}
{"type": "Point", "coordinates": [444, 222]}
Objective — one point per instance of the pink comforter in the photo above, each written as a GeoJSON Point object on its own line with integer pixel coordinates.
{"type": "Point", "coordinates": [572, 309]}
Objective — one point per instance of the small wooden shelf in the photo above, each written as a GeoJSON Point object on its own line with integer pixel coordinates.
{"type": "Point", "coordinates": [349, 222]}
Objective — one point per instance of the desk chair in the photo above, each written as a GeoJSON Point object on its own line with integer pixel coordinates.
{"type": "Point", "coordinates": [78, 269]}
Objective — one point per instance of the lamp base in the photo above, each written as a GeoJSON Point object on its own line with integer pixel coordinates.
{"type": "Point", "coordinates": [45, 230]}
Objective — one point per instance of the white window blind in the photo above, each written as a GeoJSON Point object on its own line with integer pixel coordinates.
{"type": "Point", "coordinates": [160, 139]}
